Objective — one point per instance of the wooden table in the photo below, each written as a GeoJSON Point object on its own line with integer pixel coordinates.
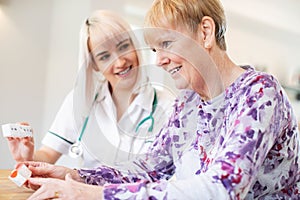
{"type": "Point", "coordinates": [10, 191]}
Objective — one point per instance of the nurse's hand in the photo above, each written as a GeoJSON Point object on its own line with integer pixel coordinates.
{"type": "Point", "coordinates": [22, 149]}
{"type": "Point", "coordinates": [50, 188]}
{"type": "Point", "coordinates": [46, 170]}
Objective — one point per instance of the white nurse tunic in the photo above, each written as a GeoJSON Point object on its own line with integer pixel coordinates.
{"type": "Point", "coordinates": [106, 141]}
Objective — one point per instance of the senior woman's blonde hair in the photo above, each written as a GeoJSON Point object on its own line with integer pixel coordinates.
{"type": "Point", "coordinates": [188, 13]}
{"type": "Point", "coordinates": [100, 26]}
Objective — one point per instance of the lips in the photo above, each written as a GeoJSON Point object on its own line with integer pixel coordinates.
{"type": "Point", "coordinates": [174, 70]}
{"type": "Point", "coordinates": [124, 72]}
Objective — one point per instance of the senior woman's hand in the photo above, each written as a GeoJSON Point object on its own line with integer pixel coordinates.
{"type": "Point", "coordinates": [50, 188]}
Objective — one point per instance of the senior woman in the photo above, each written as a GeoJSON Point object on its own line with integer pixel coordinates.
{"type": "Point", "coordinates": [233, 133]}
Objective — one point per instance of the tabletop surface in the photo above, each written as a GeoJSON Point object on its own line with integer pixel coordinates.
{"type": "Point", "coordinates": [8, 190]}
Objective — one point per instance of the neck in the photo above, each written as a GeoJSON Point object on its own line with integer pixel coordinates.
{"type": "Point", "coordinates": [122, 98]}
{"type": "Point", "coordinates": [221, 75]}
{"type": "Point", "coordinates": [229, 71]}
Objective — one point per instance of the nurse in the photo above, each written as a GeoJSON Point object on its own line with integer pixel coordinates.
{"type": "Point", "coordinates": [113, 111]}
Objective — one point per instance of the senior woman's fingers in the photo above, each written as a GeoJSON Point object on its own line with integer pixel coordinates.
{"type": "Point", "coordinates": [39, 181]}
{"type": "Point", "coordinates": [48, 189]}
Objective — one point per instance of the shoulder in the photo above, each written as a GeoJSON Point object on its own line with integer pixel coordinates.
{"type": "Point", "coordinates": [66, 108]}
{"type": "Point", "coordinates": [255, 83]}
{"type": "Point", "coordinates": [70, 96]}
{"type": "Point", "coordinates": [68, 101]}
{"type": "Point", "coordinates": [252, 78]}
{"type": "Point", "coordinates": [256, 90]}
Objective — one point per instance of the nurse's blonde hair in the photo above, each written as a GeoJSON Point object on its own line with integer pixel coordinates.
{"type": "Point", "coordinates": [100, 24]}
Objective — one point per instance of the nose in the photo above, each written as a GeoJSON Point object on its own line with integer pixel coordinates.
{"type": "Point", "coordinates": [162, 59]}
{"type": "Point", "coordinates": [119, 61]}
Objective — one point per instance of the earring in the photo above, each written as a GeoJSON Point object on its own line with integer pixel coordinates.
{"type": "Point", "coordinates": [206, 45]}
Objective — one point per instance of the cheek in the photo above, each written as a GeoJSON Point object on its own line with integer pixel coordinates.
{"type": "Point", "coordinates": [186, 74]}
{"type": "Point", "coordinates": [104, 67]}
{"type": "Point", "coordinates": [189, 72]}
{"type": "Point", "coordinates": [107, 72]}
{"type": "Point", "coordinates": [133, 56]}
{"type": "Point", "coordinates": [174, 58]}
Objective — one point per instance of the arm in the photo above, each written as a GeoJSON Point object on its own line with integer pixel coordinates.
{"type": "Point", "coordinates": [47, 187]}
{"type": "Point", "coordinates": [46, 154]}
{"type": "Point", "coordinates": [22, 149]}
{"type": "Point", "coordinates": [46, 170]}
{"type": "Point", "coordinates": [60, 135]}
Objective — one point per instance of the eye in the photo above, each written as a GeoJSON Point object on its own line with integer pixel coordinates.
{"type": "Point", "coordinates": [166, 44]}
{"type": "Point", "coordinates": [104, 57]}
{"type": "Point", "coordinates": [124, 46]}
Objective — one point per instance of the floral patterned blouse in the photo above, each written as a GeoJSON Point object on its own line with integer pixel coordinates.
{"type": "Point", "coordinates": [243, 144]}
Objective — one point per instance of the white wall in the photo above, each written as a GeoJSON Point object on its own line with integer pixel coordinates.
{"type": "Point", "coordinates": [24, 39]}
{"type": "Point", "coordinates": [67, 17]}
{"type": "Point", "coordinates": [38, 65]}
{"type": "Point", "coordinates": [267, 34]}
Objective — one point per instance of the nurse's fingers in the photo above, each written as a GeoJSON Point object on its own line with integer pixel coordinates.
{"type": "Point", "coordinates": [24, 123]}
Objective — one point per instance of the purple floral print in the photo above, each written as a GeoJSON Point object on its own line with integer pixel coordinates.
{"type": "Point", "coordinates": [243, 144]}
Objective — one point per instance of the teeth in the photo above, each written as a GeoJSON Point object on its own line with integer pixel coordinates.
{"type": "Point", "coordinates": [173, 71]}
{"type": "Point", "coordinates": [125, 71]}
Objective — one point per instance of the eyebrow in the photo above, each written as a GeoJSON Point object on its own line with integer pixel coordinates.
{"type": "Point", "coordinates": [100, 54]}
{"type": "Point", "coordinates": [120, 43]}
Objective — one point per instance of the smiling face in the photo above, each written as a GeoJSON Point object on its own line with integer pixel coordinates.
{"type": "Point", "coordinates": [192, 47]}
{"type": "Point", "coordinates": [179, 54]}
{"type": "Point", "coordinates": [117, 59]}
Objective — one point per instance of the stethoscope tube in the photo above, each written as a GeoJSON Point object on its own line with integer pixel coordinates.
{"type": "Point", "coordinates": [150, 129]}
{"type": "Point", "coordinates": [76, 149]}
{"type": "Point", "coordinates": [150, 117]}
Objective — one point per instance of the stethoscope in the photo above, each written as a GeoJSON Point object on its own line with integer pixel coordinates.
{"type": "Point", "coordinates": [76, 149]}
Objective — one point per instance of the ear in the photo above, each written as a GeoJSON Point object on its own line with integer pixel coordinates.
{"type": "Point", "coordinates": [207, 30]}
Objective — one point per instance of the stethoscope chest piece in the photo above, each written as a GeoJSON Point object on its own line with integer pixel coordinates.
{"type": "Point", "coordinates": [76, 150]}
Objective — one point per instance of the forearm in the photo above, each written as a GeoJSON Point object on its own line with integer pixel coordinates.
{"type": "Point", "coordinates": [46, 154]}
{"type": "Point", "coordinates": [41, 156]}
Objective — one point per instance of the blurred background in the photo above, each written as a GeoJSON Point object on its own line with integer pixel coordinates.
{"type": "Point", "coordinates": [39, 50]}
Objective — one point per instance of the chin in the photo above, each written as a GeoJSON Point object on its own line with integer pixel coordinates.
{"type": "Point", "coordinates": [127, 84]}
{"type": "Point", "coordinates": [181, 84]}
